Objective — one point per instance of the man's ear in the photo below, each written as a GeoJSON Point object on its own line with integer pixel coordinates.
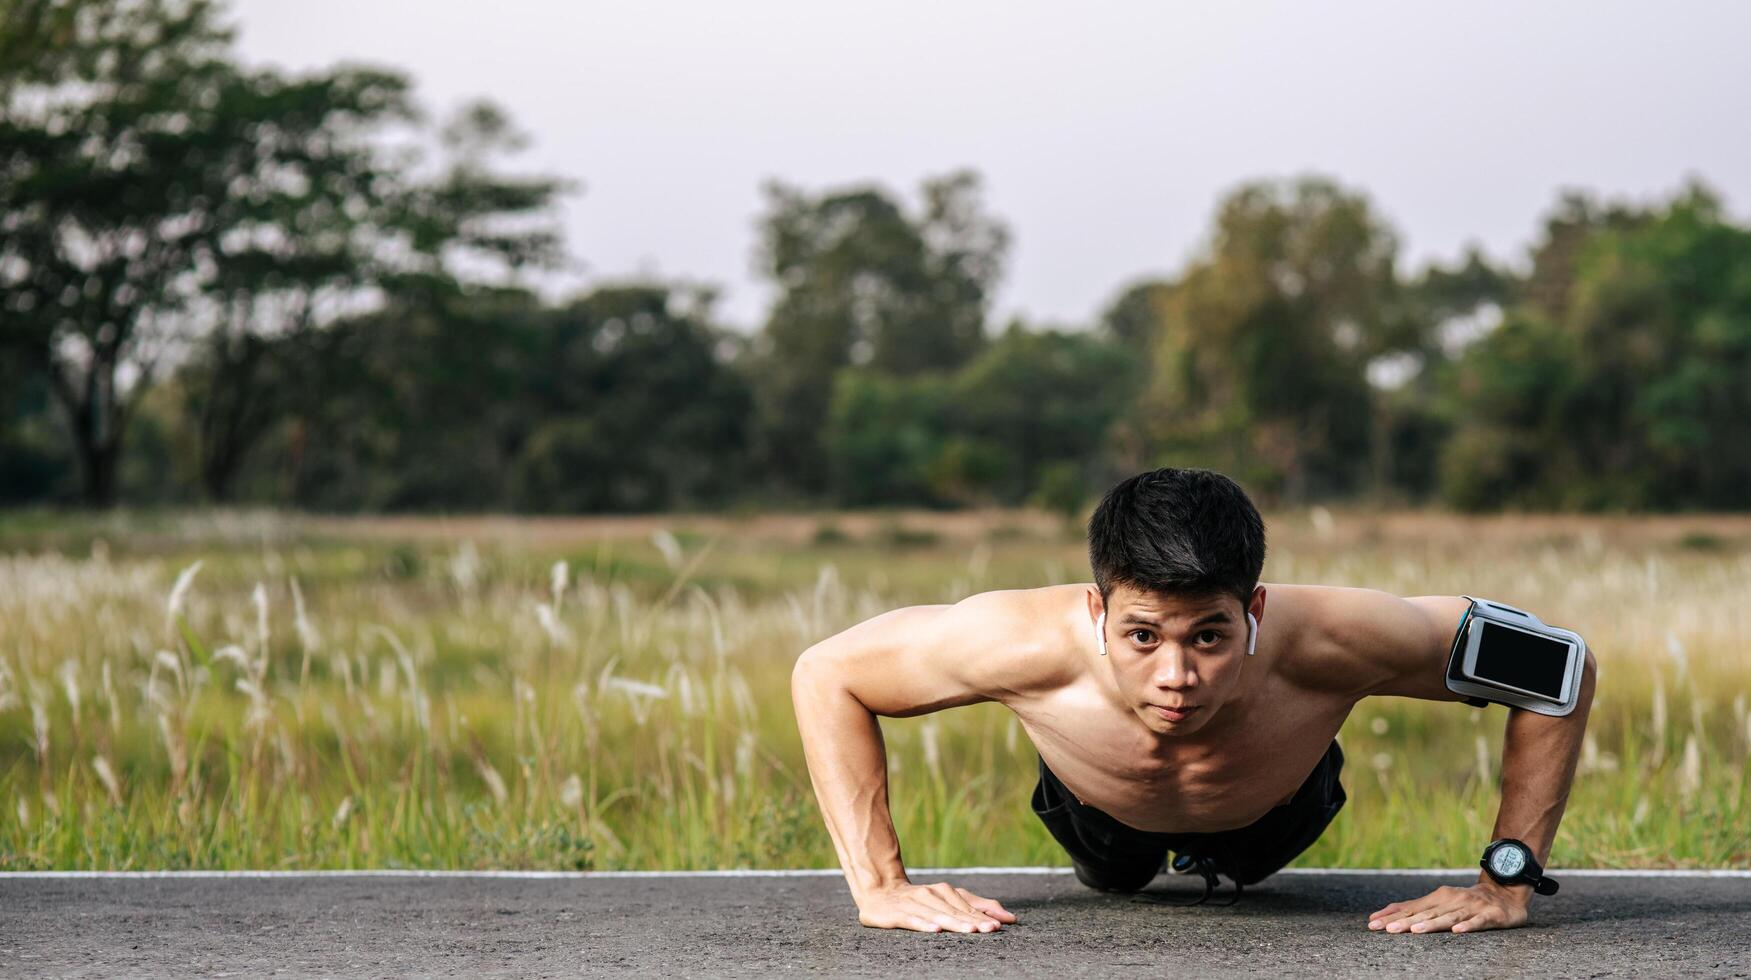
{"type": "Point", "coordinates": [1095, 605]}
{"type": "Point", "coordinates": [1257, 606]}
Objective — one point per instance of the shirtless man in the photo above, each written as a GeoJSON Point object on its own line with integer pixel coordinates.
{"type": "Point", "coordinates": [1156, 729]}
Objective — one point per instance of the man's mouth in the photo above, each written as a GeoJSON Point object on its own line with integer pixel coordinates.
{"type": "Point", "coordinates": [1180, 713]}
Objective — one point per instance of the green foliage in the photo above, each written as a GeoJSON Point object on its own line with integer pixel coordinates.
{"type": "Point", "coordinates": [1031, 401]}
{"type": "Point", "coordinates": [153, 191]}
{"type": "Point", "coordinates": [616, 401]}
{"type": "Point", "coordinates": [1636, 395]}
{"type": "Point", "coordinates": [644, 415]}
{"type": "Point", "coordinates": [863, 284]}
{"type": "Point", "coordinates": [883, 436]}
{"type": "Point", "coordinates": [1261, 354]}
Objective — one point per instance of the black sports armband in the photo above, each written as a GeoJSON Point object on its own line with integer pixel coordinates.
{"type": "Point", "coordinates": [1508, 656]}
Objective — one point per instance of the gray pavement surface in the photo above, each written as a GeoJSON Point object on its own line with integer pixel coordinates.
{"type": "Point", "coordinates": [1292, 924]}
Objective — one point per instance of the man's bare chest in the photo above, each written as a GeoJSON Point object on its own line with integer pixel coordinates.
{"type": "Point", "coordinates": [1109, 760]}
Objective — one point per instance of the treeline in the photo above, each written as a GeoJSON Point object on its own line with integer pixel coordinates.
{"type": "Point", "coordinates": [226, 284]}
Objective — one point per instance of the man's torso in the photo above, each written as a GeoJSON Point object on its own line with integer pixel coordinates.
{"type": "Point", "coordinates": [1256, 757]}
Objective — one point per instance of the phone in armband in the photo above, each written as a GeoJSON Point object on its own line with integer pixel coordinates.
{"type": "Point", "coordinates": [1508, 656]}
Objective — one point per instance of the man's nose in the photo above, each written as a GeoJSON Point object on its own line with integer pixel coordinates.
{"type": "Point", "coordinates": [1175, 671]}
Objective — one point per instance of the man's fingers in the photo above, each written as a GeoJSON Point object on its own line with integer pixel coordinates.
{"type": "Point", "coordinates": [989, 906]}
{"type": "Point", "coordinates": [1417, 911]}
{"type": "Point", "coordinates": [944, 908]}
{"type": "Point", "coordinates": [964, 911]}
{"type": "Point", "coordinates": [1473, 924]}
{"type": "Point", "coordinates": [956, 900]}
{"type": "Point", "coordinates": [1442, 921]}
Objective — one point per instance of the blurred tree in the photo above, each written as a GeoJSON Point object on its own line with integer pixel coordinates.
{"type": "Point", "coordinates": [157, 199]}
{"type": "Point", "coordinates": [862, 284]}
{"type": "Point", "coordinates": [635, 409]}
{"type": "Point", "coordinates": [106, 196]}
{"type": "Point", "coordinates": [359, 225]}
{"type": "Point", "coordinates": [1134, 318]}
{"type": "Point", "coordinates": [1042, 399]}
{"type": "Point", "coordinates": [1264, 343]}
{"type": "Point", "coordinates": [1568, 229]}
{"type": "Point", "coordinates": [1639, 394]}
{"type": "Point", "coordinates": [618, 401]}
{"type": "Point", "coordinates": [1033, 404]}
{"type": "Point", "coordinates": [884, 437]}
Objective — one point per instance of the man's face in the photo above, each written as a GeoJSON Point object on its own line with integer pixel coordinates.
{"type": "Point", "coordinates": [1176, 659]}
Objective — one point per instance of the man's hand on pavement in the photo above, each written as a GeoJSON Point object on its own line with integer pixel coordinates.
{"type": "Point", "coordinates": [1485, 905]}
{"type": "Point", "coordinates": [931, 908]}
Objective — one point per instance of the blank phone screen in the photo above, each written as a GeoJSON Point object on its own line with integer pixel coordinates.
{"type": "Point", "coordinates": [1522, 660]}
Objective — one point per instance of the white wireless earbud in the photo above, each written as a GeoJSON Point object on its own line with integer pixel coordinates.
{"type": "Point", "coordinates": [1252, 634]}
{"type": "Point", "coordinates": [1100, 631]}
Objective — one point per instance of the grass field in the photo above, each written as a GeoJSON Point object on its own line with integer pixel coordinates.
{"type": "Point", "coordinates": [267, 691]}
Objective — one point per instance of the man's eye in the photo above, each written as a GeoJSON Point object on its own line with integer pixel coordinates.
{"type": "Point", "coordinates": [1213, 637]}
{"type": "Point", "coordinates": [1145, 634]}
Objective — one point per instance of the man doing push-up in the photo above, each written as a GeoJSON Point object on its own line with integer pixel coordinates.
{"type": "Point", "coordinates": [1185, 713]}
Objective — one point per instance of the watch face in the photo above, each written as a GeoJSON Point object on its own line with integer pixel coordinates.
{"type": "Point", "coordinates": [1508, 861]}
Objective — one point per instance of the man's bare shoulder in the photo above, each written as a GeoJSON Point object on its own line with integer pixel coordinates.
{"type": "Point", "coordinates": [1026, 638]}
{"type": "Point", "coordinates": [1361, 640]}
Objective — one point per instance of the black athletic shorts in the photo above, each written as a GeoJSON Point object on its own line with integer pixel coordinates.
{"type": "Point", "coordinates": [1114, 856]}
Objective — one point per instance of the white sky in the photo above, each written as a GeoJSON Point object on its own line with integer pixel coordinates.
{"type": "Point", "coordinates": [1105, 131]}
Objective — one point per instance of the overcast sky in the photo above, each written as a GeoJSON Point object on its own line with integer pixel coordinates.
{"type": "Point", "coordinates": [1105, 131]}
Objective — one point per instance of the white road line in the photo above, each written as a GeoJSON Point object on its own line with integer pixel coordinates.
{"type": "Point", "coordinates": [832, 873]}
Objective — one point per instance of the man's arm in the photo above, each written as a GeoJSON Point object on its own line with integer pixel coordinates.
{"type": "Point", "coordinates": [905, 662]}
{"type": "Point", "coordinates": [1400, 647]}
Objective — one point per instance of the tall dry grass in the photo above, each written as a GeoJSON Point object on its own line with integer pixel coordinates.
{"type": "Point", "coordinates": [262, 691]}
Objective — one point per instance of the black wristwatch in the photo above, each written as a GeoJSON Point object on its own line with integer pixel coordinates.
{"type": "Point", "coordinates": [1510, 862]}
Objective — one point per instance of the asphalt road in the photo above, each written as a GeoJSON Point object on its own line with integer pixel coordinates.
{"type": "Point", "coordinates": [1292, 924]}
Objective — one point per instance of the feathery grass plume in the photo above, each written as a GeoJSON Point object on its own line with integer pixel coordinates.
{"type": "Point", "coordinates": [39, 725]}
{"type": "Point", "coordinates": [559, 578]}
{"type": "Point", "coordinates": [70, 685]}
{"type": "Point", "coordinates": [493, 780]}
{"type": "Point", "coordinates": [169, 661]}
{"type": "Point", "coordinates": [742, 697]}
{"type": "Point", "coordinates": [179, 594]}
{"type": "Point", "coordinates": [667, 543]}
{"type": "Point", "coordinates": [9, 698]}
{"type": "Point", "coordinates": [176, 750]}
{"type": "Point", "coordinates": [259, 598]}
{"type": "Point", "coordinates": [1690, 770]}
{"type": "Point", "coordinates": [928, 733]}
{"type": "Point", "coordinates": [556, 631]}
{"type": "Point", "coordinates": [571, 792]}
{"type": "Point", "coordinates": [108, 687]}
{"type": "Point", "coordinates": [235, 654]}
{"type": "Point", "coordinates": [465, 566]}
{"type": "Point", "coordinates": [747, 743]}
{"type": "Point", "coordinates": [342, 812]}
{"type": "Point", "coordinates": [1657, 723]}
{"type": "Point", "coordinates": [1675, 650]}
{"type": "Point", "coordinates": [308, 638]}
{"type": "Point", "coordinates": [686, 692]}
{"type": "Point", "coordinates": [23, 809]}
{"type": "Point", "coordinates": [1483, 762]}
{"type": "Point", "coordinates": [107, 777]}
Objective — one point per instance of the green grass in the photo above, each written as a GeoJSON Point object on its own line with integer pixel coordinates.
{"type": "Point", "coordinates": [425, 712]}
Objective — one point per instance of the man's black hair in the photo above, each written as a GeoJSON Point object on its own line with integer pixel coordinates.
{"type": "Point", "coordinates": [1184, 532]}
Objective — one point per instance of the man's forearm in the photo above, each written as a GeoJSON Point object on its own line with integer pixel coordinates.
{"type": "Point", "coordinates": [842, 742]}
{"type": "Point", "coordinates": [1539, 753]}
